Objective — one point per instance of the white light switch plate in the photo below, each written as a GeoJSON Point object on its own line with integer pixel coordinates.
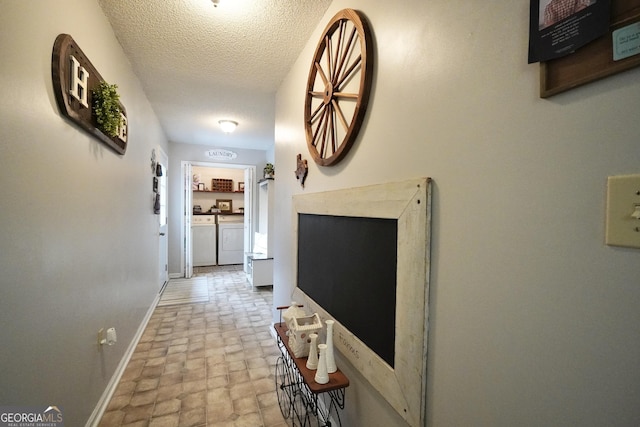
{"type": "Point", "coordinates": [623, 199]}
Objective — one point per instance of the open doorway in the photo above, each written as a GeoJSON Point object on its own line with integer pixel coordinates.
{"type": "Point", "coordinates": [210, 196]}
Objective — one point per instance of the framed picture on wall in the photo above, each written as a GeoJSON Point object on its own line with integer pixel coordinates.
{"type": "Point", "coordinates": [241, 186]}
{"type": "Point", "coordinates": [224, 205]}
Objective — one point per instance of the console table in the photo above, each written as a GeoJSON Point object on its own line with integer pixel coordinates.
{"type": "Point", "coordinates": [300, 397]}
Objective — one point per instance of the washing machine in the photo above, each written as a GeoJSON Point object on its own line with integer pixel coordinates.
{"type": "Point", "coordinates": [230, 239]}
{"type": "Point", "coordinates": [203, 240]}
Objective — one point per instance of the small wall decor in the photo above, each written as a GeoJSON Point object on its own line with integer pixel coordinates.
{"type": "Point", "coordinates": [338, 87]}
{"type": "Point", "coordinates": [195, 183]}
{"type": "Point", "coordinates": [222, 184]}
{"type": "Point", "coordinates": [106, 108]}
{"type": "Point", "coordinates": [302, 169]}
{"type": "Point", "coordinates": [600, 58]}
{"type": "Point", "coordinates": [85, 98]}
{"type": "Point", "coordinates": [153, 160]}
{"type": "Point", "coordinates": [220, 154]}
{"type": "Point", "coordinates": [241, 186]}
{"type": "Point", "coordinates": [156, 204]}
{"type": "Point", "coordinates": [269, 171]}
{"type": "Point", "coordinates": [156, 170]}
{"type": "Point", "coordinates": [225, 206]}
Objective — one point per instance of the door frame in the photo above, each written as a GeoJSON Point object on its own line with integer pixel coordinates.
{"type": "Point", "coordinates": [186, 258]}
{"type": "Point", "coordinates": [163, 228]}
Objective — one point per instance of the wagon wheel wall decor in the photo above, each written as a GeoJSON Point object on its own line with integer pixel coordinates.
{"type": "Point", "coordinates": [338, 87]}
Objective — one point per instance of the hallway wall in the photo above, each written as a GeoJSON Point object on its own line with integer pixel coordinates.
{"type": "Point", "coordinates": [534, 321]}
{"type": "Point", "coordinates": [78, 237]}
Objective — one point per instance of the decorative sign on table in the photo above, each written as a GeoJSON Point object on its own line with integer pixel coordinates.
{"type": "Point", "coordinates": [80, 90]}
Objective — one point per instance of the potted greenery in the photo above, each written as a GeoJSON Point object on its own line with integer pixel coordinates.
{"type": "Point", "coordinates": [269, 171]}
{"type": "Point", "coordinates": [106, 108]}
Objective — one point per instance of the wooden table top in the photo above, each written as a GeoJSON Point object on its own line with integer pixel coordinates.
{"type": "Point", "coordinates": [337, 380]}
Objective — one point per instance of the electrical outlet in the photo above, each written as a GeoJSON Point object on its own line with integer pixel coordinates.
{"type": "Point", "coordinates": [623, 211]}
{"type": "Point", "coordinates": [111, 336]}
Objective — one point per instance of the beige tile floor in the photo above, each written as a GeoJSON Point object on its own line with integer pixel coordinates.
{"type": "Point", "coordinates": [204, 364]}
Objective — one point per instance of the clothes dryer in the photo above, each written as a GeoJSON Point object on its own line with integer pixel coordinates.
{"type": "Point", "coordinates": [230, 239]}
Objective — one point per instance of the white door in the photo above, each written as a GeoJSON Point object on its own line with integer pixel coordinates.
{"type": "Point", "coordinates": [187, 180]}
{"type": "Point", "coordinates": [163, 246]}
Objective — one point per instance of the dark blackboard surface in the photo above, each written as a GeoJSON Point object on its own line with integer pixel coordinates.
{"type": "Point", "coordinates": [348, 266]}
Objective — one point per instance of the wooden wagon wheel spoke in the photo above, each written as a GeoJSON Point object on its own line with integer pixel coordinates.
{"type": "Point", "coordinates": [316, 112]}
{"type": "Point", "coordinates": [337, 52]}
{"type": "Point", "coordinates": [345, 95]}
{"type": "Point", "coordinates": [316, 134]}
{"type": "Point", "coordinates": [348, 72]}
{"type": "Point", "coordinates": [321, 73]}
{"type": "Point", "coordinates": [338, 87]}
{"type": "Point", "coordinates": [340, 115]}
{"type": "Point", "coordinates": [345, 55]}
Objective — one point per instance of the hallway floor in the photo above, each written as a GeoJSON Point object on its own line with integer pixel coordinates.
{"type": "Point", "coordinates": [205, 364]}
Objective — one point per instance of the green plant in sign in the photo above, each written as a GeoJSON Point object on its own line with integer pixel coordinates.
{"type": "Point", "coordinates": [106, 108]}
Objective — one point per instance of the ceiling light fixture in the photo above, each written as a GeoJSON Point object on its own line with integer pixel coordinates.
{"type": "Point", "coordinates": [215, 3]}
{"type": "Point", "coordinates": [228, 126]}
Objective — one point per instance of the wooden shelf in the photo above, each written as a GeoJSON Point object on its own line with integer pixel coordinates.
{"type": "Point", "coordinates": [210, 191]}
{"type": "Point", "coordinates": [337, 380]}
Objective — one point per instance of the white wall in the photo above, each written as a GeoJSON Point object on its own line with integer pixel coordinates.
{"type": "Point", "coordinates": [78, 238]}
{"type": "Point", "coordinates": [534, 321]}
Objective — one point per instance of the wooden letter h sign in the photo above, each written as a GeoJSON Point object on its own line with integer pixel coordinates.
{"type": "Point", "coordinates": [74, 78]}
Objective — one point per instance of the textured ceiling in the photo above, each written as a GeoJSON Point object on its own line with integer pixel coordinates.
{"type": "Point", "coordinates": [199, 64]}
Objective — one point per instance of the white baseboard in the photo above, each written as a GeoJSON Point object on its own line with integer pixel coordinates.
{"type": "Point", "coordinates": [100, 408]}
{"type": "Point", "coordinates": [175, 275]}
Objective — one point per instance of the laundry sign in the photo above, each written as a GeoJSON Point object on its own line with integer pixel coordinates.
{"type": "Point", "coordinates": [221, 154]}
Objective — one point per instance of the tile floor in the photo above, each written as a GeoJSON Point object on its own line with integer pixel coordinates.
{"type": "Point", "coordinates": [203, 364]}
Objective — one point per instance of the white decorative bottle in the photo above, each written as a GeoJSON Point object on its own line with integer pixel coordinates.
{"type": "Point", "coordinates": [322, 376]}
{"type": "Point", "coordinates": [312, 360]}
{"type": "Point", "coordinates": [331, 361]}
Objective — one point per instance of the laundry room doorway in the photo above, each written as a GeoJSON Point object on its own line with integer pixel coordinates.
{"type": "Point", "coordinates": [207, 196]}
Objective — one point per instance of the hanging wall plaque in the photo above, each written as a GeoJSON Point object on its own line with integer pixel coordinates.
{"type": "Point", "coordinates": [74, 79]}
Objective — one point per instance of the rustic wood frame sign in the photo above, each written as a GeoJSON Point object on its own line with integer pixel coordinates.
{"type": "Point", "coordinates": [74, 78]}
{"type": "Point", "coordinates": [407, 204]}
{"type": "Point", "coordinates": [593, 61]}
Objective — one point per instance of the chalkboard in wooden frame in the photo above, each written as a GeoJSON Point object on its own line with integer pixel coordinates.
{"type": "Point", "coordinates": [408, 204]}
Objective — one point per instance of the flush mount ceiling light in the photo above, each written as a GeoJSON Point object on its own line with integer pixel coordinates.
{"type": "Point", "coordinates": [215, 3]}
{"type": "Point", "coordinates": [228, 126]}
